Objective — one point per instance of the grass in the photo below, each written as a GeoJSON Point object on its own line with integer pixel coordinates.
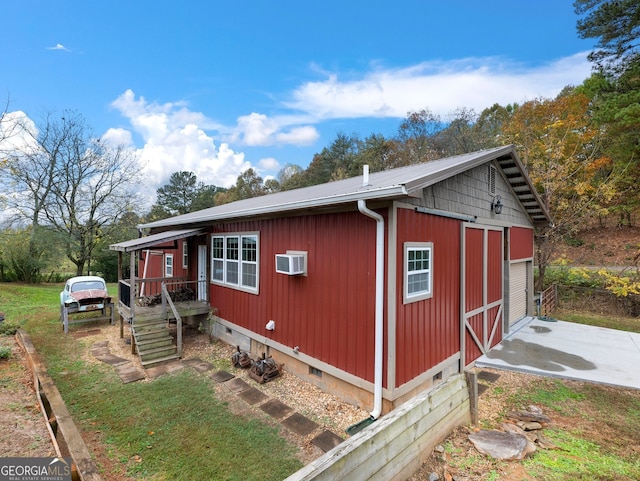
{"type": "Point", "coordinates": [629, 324]}
{"type": "Point", "coordinates": [173, 428]}
{"type": "Point", "coordinates": [579, 459]}
{"type": "Point", "coordinates": [600, 431]}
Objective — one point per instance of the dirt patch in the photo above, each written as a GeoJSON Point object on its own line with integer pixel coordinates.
{"type": "Point", "coordinates": [23, 431]}
{"type": "Point", "coordinates": [601, 247]}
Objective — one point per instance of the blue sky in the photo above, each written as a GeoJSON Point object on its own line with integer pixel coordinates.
{"type": "Point", "coordinates": [218, 87]}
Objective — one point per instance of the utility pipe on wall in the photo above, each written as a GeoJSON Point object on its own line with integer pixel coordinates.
{"type": "Point", "coordinates": [377, 381]}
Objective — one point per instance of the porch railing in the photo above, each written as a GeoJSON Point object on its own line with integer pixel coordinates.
{"type": "Point", "coordinates": [166, 301]}
{"type": "Point", "coordinates": [548, 300]}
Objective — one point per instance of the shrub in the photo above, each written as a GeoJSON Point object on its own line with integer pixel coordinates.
{"type": "Point", "coordinates": [8, 328]}
{"type": "Point", "coordinates": [5, 352]}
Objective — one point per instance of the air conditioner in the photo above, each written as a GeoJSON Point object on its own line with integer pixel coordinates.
{"type": "Point", "coordinates": [291, 264]}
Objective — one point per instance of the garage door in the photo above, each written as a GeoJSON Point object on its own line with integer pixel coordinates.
{"type": "Point", "coordinates": [517, 291]}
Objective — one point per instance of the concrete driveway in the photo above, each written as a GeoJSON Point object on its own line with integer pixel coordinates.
{"type": "Point", "coordinates": [570, 351]}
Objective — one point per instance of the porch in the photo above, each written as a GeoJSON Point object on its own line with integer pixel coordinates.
{"type": "Point", "coordinates": [151, 304]}
{"type": "Point", "coordinates": [169, 301]}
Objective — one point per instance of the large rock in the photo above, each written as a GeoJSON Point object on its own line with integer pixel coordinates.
{"type": "Point", "coordinates": [501, 445]}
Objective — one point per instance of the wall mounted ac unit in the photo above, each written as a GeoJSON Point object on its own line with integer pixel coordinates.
{"type": "Point", "coordinates": [291, 264]}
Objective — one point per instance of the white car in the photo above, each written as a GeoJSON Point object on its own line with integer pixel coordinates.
{"type": "Point", "coordinates": [84, 293]}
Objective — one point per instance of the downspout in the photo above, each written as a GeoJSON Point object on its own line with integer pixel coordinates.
{"type": "Point", "coordinates": [379, 328]}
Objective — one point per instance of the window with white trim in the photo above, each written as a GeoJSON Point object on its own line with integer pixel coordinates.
{"type": "Point", "coordinates": [418, 271]}
{"type": "Point", "coordinates": [185, 254]}
{"type": "Point", "coordinates": [234, 261]}
{"type": "Point", "coordinates": [168, 265]}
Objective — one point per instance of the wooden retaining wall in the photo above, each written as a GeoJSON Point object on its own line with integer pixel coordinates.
{"type": "Point", "coordinates": [395, 446]}
{"type": "Point", "coordinates": [65, 436]}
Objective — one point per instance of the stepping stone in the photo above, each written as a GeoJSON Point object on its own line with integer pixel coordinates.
{"type": "Point", "coordinates": [488, 376]}
{"type": "Point", "coordinates": [164, 368]}
{"type": "Point", "coordinates": [300, 424]}
{"type": "Point", "coordinates": [237, 385]}
{"type": "Point", "coordinates": [129, 373]}
{"type": "Point", "coordinates": [80, 334]}
{"type": "Point", "coordinates": [221, 376]}
{"type": "Point", "coordinates": [252, 395]}
{"type": "Point", "coordinates": [111, 359]}
{"type": "Point", "coordinates": [275, 408]}
{"type": "Point", "coordinates": [327, 440]}
{"type": "Point", "coordinates": [199, 365]}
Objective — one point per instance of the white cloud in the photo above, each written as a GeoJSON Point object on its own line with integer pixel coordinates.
{"type": "Point", "coordinates": [17, 132]}
{"type": "Point", "coordinates": [259, 130]}
{"type": "Point", "coordinates": [440, 86]}
{"type": "Point", "coordinates": [269, 163]}
{"type": "Point", "coordinates": [118, 136]}
{"type": "Point", "coordinates": [178, 138]}
{"type": "Point", "coordinates": [174, 140]}
{"type": "Point", "coordinates": [59, 46]}
{"type": "Point", "coordinates": [306, 135]}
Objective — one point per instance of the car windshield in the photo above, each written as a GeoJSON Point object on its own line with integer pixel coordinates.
{"type": "Point", "coordinates": [86, 285]}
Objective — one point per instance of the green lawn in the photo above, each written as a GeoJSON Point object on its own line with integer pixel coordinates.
{"type": "Point", "coordinates": [173, 428]}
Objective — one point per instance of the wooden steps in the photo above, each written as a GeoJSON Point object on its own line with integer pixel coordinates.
{"type": "Point", "coordinates": [154, 343]}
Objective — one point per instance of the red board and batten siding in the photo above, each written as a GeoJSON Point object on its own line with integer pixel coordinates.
{"type": "Point", "coordinates": [520, 243]}
{"type": "Point", "coordinates": [330, 313]}
{"type": "Point", "coordinates": [153, 264]}
{"type": "Point", "coordinates": [428, 331]}
{"type": "Point", "coordinates": [483, 299]}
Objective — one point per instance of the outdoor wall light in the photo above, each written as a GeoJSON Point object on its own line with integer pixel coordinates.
{"type": "Point", "coordinates": [496, 205]}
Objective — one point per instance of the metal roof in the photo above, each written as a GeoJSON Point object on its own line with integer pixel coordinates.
{"type": "Point", "coordinates": [388, 184]}
{"type": "Point", "coordinates": [153, 240]}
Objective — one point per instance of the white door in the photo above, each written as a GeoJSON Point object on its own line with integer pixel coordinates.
{"type": "Point", "coordinates": [517, 291]}
{"type": "Point", "coordinates": [202, 273]}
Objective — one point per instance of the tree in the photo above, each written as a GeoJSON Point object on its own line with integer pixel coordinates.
{"type": "Point", "coordinates": [291, 177]}
{"type": "Point", "coordinates": [29, 176]}
{"type": "Point", "coordinates": [181, 195]}
{"type": "Point", "coordinates": [615, 109]}
{"type": "Point", "coordinates": [249, 184]}
{"type": "Point", "coordinates": [416, 137]}
{"type": "Point", "coordinates": [377, 152]}
{"type": "Point", "coordinates": [616, 25]}
{"type": "Point", "coordinates": [72, 183]}
{"type": "Point", "coordinates": [562, 152]}
{"type": "Point", "coordinates": [334, 162]}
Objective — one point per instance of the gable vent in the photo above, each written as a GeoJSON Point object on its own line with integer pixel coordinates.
{"type": "Point", "coordinates": [291, 264]}
{"type": "Point", "coordinates": [492, 180]}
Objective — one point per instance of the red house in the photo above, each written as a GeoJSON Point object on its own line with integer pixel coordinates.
{"type": "Point", "coordinates": [374, 287]}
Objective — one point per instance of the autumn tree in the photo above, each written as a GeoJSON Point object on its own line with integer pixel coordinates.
{"type": "Point", "coordinates": [561, 150]}
{"type": "Point", "coordinates": [615, 88]}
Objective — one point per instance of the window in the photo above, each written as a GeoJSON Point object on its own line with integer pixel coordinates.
{"type": "Point", "coordinates": [234, 261]}
{"type": "Point", "coordinates": [168, 265]}
{"type": "Point", "coordinates": [185, 254]}
{"type": "Point", "coordinates": [418, 271]}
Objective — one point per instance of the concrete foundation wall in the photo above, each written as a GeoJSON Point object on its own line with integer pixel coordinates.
{"type": "Point", "coordinates": [394, 447]}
